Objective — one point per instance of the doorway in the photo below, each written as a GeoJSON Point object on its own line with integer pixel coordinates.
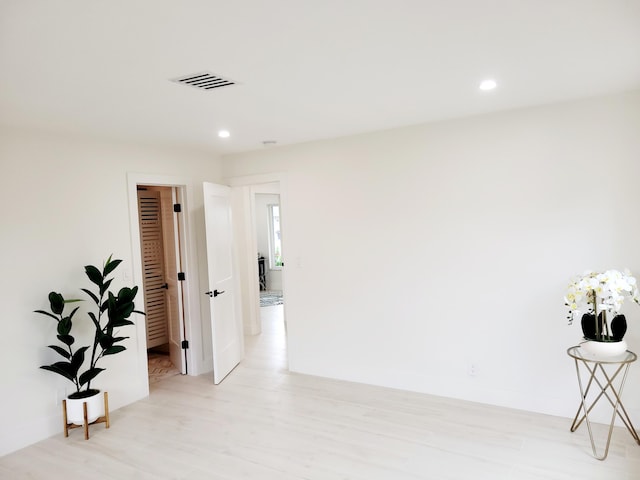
{"type": "Point", "coordinates": [269, 244]}
{"type": "Point", "coordinates": [264, 197]}
{"type": "Point", "coordinates": [160, 255]}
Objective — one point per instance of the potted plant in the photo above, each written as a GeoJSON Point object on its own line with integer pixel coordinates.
{"type": "Point", "coordinates": [603, 294]}
{"type": "Point", "coordinates": [112, 311]}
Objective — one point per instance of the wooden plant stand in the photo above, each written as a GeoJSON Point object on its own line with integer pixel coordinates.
{"type": "Point", "coordinates": [104, 419]}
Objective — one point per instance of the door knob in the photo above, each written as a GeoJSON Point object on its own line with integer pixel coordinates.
{"type": "Point", "coordinates": [215, 293]}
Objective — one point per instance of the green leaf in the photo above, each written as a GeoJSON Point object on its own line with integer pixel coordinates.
{"type": "Point", "coordinates": [121, 323]}
{"type": "Point", "coordinates": [78, 358]}
{"type": "Point", "coordinates": [48, 314]}
{"type": "Point", "coordinates": [111, 302]}
{"type": "Point", "coordinates": [60, 350]}
{"type": "Point", "coordinates": [89, 375]}
{"type": "Point", "coordinates": [73, 312]}
{"type": "Point", "coordinates": [110, 266]}
{"type": "Point", "coordinates": [66, 339]}
{"type": "Point", "coordinates": [105, 286]}
{"type": "Point", "coordinates": [92, 295]}
{"type": "Point", "coordinates": [93, 318]}
{"type": "Point", "coordinates": [62, 368]}
{"type": "Point", "coordinates": [64, 326]}
{"type": "Point", "coordinates": [57, 302]}
{"type": "Point", "coordinates": [113, 350]}
{"type": "Point", "coordinates": [59, 371]}
{"type": "Point", "coordinates": [125, 311]}
{"type": "Point", "coordinates": [106, 341]}
{"type": "Point", "coordinates": [94, 274]}
{"type": "Point", "coordinates": [127, 294]}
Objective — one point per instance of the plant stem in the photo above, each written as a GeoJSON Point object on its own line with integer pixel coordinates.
{"type": "Point", "coordinates": [75, 380]}
{"type": "Point", "coordinates": [96, 338]}
{"type": "Point", "coordinates": [595, 312]}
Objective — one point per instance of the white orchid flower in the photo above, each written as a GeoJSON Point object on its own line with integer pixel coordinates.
{"type": "Point", "coordinates": [604, 291]}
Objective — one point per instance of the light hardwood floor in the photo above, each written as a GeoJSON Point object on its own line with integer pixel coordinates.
{"type": "Point", "coordinates": [265, 423]}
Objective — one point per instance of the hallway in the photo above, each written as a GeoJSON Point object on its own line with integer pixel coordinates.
{"type": "Point", "coordinates": [268, 351]}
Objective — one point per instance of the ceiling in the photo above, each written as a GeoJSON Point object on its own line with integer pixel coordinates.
{"type": "Point", "coordinates": [305, 69]}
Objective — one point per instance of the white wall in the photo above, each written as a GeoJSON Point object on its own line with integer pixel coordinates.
{"type": "Point", "coordinates": [65, 205]}
{"type": "Point", "coordinates": [452, 243]}
{"type": "Point", "coordinates": [263, 200]}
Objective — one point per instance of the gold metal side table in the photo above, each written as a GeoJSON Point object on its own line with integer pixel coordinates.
{"type": "Point", "coordinates": [602, 374]}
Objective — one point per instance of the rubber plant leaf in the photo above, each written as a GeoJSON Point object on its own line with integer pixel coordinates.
{"type": "Point", "coordinates": [89, 375]}
{"type": "Point", "coordinates": [110, 266]}
{"type": "Point", "coordinates": [125, 310]}
{"type": "Point", "coordinates": [64, 326]}
{"type": "Point", "coordinates": [113, 350]}
{"type": "Point", "coordinates": [106, 341]}
{"type": "Point", "coordinates": [73, 312]}
{"type": "Point", "coordinates": [48, 314]}
{"type": "Point", "coordinates": [93, 318]}
{"type": "Point", "coordinates": [92, 295]}
{"type": "Point", "coordinates": [61, 368]}
{"type": "Point", "coordinates": [121, 323]}
{"type": "Point", "coordinates": [94, 274]}
{"type": "Point", "coordinates": [66, 339]}
{"type": "Point", "coordinates": [78, 358]}
{"type": "Point", "coordinates": [105, 286]}
{"type": "Point", "coordinates": [56, 301]}
{"type": "Point", "coordinates": [61, 351]}
{"type": "Point", "coordinates": [127, 294]}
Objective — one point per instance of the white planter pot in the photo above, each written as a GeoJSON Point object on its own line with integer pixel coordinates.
{"type": "Point", "coordinates": [604, 349]}
{"type": "Point", "coordinates": [95, 408]}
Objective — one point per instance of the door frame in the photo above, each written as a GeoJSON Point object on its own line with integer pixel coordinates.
{"type": "Point", "coordinates": [171, 260]}
{"type": "Point", "coordinates": [191, 305]}
{"type": "Point", "coordinates": [244, 189]}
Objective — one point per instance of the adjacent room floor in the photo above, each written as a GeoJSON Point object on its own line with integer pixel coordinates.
{"type": "Point", "coordinates": [265, 423]}
{"type": "Point", "coordinates": [160, 368]}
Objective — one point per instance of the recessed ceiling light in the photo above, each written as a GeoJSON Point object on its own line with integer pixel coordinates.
{"type": "Point", "coordinates": [488, 84]}
{"type": "Point", "coordinates": [224, 134]}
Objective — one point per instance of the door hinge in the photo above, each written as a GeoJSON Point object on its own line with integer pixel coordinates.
{"type": "Point", "coordinates": [185, 344]}
{"type": "Point", "coordinates": [181, 276]}
{"type": "Point", "coordinates": [177, 208]}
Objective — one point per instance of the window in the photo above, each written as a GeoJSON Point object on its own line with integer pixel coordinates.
{"type": "Point", "coordinates": [275, 240]}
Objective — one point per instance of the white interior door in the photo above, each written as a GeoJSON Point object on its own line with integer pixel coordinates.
{"type": "Point", "coordinates": [226, 326]}
{"type": "Point", "coordinates": [171, 229]}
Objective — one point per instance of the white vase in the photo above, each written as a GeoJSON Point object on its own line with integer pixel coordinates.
{"type": "Point", "coordinates": [95, 408]}
{"type": "Point", "coordinates": [604, 349]}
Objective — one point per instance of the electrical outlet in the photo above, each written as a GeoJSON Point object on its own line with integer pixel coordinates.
{"type": "Point", "coordinates": [472, 369]}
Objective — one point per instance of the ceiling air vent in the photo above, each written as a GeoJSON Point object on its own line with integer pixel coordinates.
{"type": "Point", "coordinates": [204, 81]}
